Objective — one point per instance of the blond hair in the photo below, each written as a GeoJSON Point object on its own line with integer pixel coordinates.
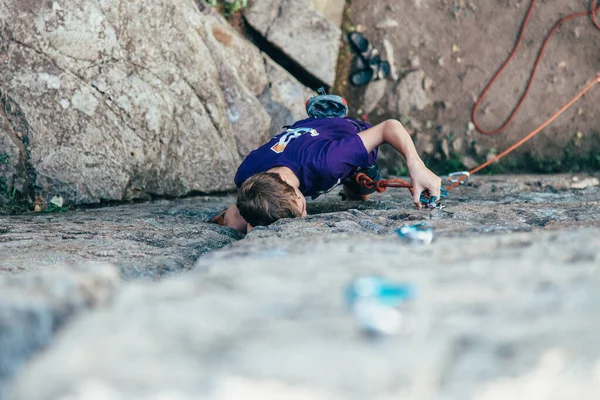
{"type": "Point", "coordinates": [264, 198]}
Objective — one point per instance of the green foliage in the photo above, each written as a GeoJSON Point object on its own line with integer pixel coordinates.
{"type": "Point", "coordinates": [453, 164]}
{"type": "Point", "coordinates": [401, 170]}
{"type": "Point", "coordinates": [228, 7]}
{"type": "Point", "coordinates": [8, 198]}
{"type": "Point", "coordinates": [6, 194]}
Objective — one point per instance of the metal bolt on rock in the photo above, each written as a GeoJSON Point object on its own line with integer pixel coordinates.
{"type": "Point", "coordinates": [378, 306]}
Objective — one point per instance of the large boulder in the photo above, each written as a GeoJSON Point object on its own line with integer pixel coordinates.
{"type": "Point", "coordinates": [304, 35]}
{"type": "Point", "coordinates": [117, 100]}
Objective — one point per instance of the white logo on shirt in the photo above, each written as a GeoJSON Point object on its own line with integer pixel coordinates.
{"type": "Point", "coordinates": [290, 134]}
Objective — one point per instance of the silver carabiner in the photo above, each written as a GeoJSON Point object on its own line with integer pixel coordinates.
{"type": "Point", "coordinates": [451, 177]}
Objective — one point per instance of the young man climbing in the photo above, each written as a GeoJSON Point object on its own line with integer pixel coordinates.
{"type": "Point", "coordinates": [312, 157]}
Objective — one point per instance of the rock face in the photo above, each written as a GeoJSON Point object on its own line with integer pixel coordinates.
{"type": "Point", "coordinates": [495, 313]}
{"type": "Point", "coordinates": [117, 100]}
{"type": "Point", "coordinates": [411, 94]}
{"type": "Point", "coordinates": [147, 240]}
{"type": "Point", "coordinates": [34, 306]}
{"type": "Point", "coordinates": [285, 99]}
{"type": "Point", "coordinates": [303, 34]}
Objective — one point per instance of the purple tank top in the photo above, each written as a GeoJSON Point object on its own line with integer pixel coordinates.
{"type": "Point", "coordinates": [320, 151]}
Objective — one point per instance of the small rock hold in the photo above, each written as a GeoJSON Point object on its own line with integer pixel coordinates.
{"type": "Point", "coordinates": [410, 93]}
{"type": "Point", "coordinates": [387, 23]}
{"type": "Point", "coordinates": [415, 62]}
{"type": "Point", "coordinates": [445, 148]}
{"type": "Point", "coordinates": [562, 65]}
{"type": "Point", "coordinates": [427, 83]}
{"type": "Point", "coordinates": [374, 94]}
{"type": "Point", "coordinates": [455, 48]}
{"type": "Point", "coordinates": [457, 145]}
{"type": "Point", "coordinates": [584, 183]}
{"type": "Point", "coordinates": [389, 55]}
{"type": "Point", "coordinates": [468, 162]}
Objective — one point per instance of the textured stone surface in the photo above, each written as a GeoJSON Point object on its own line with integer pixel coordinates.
{"type": "Point", "coordinates": [461, 44]}
{"type": "Point", "coordinates": [507, 304]}
{"type": "Point", "coordinates": [333, 10]}
{"type": "Point", "coordinates": [34, 306]}
{"type": "Point", "coordinates": [147, 240]}
{"type": "Point", "coordinates": [9, 163]}
{"type": "Point", "coordinates": [373, 95]}
{"type": "Point", "coordinates": [410, 93]}
{"type": "Point", "coordinates": [305, 35]}
{"type": "Point", "coordinates": [285, 98]}
{"type": "Point", "coordinates": [116, 100]}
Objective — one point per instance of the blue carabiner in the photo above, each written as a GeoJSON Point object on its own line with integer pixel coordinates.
{"type": "Point", "coordinates": [429, 201]}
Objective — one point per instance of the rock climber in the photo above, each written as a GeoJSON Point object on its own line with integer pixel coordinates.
{"type": "Point", "coordinates": [313, 156]}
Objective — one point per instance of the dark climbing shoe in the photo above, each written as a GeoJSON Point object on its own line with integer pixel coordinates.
{"type": "Point", "coordinates": [381, 70]}
{"type": "Point", "coordinates": [362, 47]}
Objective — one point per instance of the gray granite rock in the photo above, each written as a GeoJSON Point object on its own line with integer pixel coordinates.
{"type": "Point", "coordinates": [303, 34]}
{"type": "Point", "coordinates": [145, 240]}
{"type": "Point", "coordinates": [284, 98]}
{"type": "Point", "coordinates": [34, 306]}
{"type": "Point", "coordinates": [373, 95]}
{"type": "Point", "coordinates": [411, 95]}
{"type": "Point", "coordinates": [120, 100]}
{"type": "Point", "coordinates": [333, 10]}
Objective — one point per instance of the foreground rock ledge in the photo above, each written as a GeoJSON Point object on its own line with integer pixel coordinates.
{"type": "Point", "coordinates": [34, 306]}
{"type": "Point", "coordinates": [498, 314]}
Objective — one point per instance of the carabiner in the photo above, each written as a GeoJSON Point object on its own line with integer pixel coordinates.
{"type": "Point", "coordinates": [451, 177]}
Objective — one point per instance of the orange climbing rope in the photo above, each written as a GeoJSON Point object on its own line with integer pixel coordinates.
{"type": "Point", "coordinates": [382, 185]}
{"type": "Point", "coordinates": [592, 13]}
